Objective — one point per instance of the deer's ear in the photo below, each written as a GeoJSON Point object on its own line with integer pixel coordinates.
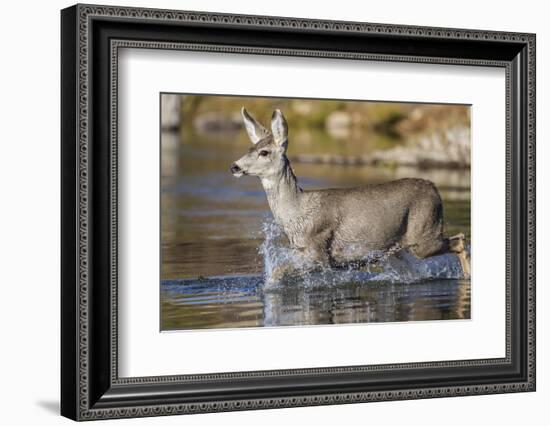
{"type": "Point", "coordinates": [256, 132]}
{"type": "Point", "coordinates": [279, 127]}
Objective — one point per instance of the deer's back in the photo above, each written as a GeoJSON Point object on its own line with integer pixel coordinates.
{"type": "Point", "coordinates": [401, 192]}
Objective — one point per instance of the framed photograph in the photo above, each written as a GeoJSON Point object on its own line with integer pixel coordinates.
{"type": "Point", "coordinates": [263, 212]}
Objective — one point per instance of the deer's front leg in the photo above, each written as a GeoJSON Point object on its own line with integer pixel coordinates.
{"type": "Point", "coordinates": [316, 256]}
{"type": "Point", "coordinates": [317, 250]}
{"type": "Point", "coordinates": [304, 260]}
{"type": "Point", "coordinates": [286, 266]}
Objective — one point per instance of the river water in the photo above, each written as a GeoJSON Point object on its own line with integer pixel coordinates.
{"type": "Point", "coordinates": [213, 245]}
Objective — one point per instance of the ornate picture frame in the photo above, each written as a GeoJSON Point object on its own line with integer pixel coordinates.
{"type": "Point", "coordinates": [91, 38]}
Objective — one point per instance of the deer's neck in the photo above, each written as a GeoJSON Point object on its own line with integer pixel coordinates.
{"type": "Point", "coordinates": [283, 194]}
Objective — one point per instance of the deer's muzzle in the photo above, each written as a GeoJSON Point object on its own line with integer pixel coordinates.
{"type": "Point", "coordinates": [236, 170]}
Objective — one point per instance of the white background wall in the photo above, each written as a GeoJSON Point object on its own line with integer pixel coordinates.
{"type": "Point", "coordinates": [29, 211]}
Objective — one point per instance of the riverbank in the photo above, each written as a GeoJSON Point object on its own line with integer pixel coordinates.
{"type": "Point", "coordinates": [446, 150]}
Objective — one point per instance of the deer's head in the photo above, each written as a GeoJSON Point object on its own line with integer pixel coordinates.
{"type": "Point", "coordinates": [267, 156]}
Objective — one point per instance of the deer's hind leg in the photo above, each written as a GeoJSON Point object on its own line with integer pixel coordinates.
{"type": "Point", "coordinates": [457, 246]}
{"type": "Point", "coordinates": [429, 247]}
{"type": "Point", "coordinates": [424, 235]}
{"type": "Point", "coordinates": [442, 245]}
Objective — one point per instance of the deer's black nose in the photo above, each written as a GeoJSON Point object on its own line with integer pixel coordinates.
{"type": "Point", "coordinates": [235, 168]}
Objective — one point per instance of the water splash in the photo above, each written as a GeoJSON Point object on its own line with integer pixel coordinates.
{"type": "Point", "coordinates": [276, 251]}
{"type": "Point", "coordinates": [409, 269]}
{"type": "Point", "coordinates": [283, 265]}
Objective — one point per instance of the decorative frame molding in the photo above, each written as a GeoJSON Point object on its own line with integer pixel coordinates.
{"type": "Point", "coordinates": [91, 388]}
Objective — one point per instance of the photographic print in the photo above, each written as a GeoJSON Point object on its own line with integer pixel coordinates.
{"type": "Point", "coordinates": [297, 212]}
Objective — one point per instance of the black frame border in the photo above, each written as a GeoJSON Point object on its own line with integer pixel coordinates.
{"type": "Point", "coordinates": [91, 36]}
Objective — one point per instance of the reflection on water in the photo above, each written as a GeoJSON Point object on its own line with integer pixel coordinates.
{"type": "Point", "coordinates": [234, 302]}
{"type": "Point", "coordinates": [211, 225]}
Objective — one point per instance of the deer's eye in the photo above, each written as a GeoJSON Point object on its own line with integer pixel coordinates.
{"type": "Point", "coordinates": [264, 153]}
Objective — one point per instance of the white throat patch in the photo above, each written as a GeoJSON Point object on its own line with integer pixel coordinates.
{"type": "Point", "coordinates": [268, 183]}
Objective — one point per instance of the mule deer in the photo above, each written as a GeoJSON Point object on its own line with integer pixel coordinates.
{"type": "Point", "coordinates": [335, 227]}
